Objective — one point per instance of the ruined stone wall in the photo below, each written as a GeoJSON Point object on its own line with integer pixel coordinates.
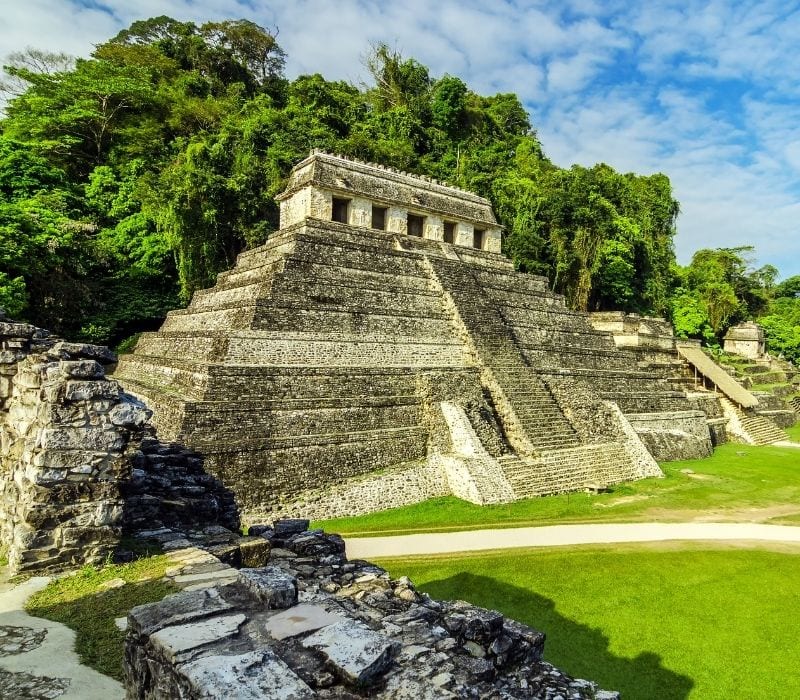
{"type": "Point", "coordinates": [74, 468]}
{"type": "Point", "coordinates": [64, 428]}
{"type": "Point", "coordinates": [312, 624]}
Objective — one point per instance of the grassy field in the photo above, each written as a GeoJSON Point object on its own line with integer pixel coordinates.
{"type": "Point", "coordinates": [738, 482]}
{"type": "Point", "coordinates": [85, 603]}
{"type": "Point", "coordinates": [668, 621]}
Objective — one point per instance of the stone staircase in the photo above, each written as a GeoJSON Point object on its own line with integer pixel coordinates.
{"type": "Point", "coordinates": [537, 420]}
{"type": "Point", "coordinates": [560, 471]}
{"type": "Point", "coordinates": [753, 428]}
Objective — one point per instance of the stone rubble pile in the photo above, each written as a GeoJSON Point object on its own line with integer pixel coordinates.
{"type": "Point", "coordinates": [311, 624]}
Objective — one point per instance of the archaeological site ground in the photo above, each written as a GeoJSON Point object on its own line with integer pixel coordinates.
{"type": "Point", "coordinates": [379, 366]}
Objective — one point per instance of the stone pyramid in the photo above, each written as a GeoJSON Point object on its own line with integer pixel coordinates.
{"type": "Point", "coordinates": [379, 350]}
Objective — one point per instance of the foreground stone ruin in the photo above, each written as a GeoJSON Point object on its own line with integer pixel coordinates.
{"type": "Point", "coordinates": [381, 331]}
{"type": "Point", "coordinates": [79, 462]}
{"type": "Point", "coordinates": [311, 624]}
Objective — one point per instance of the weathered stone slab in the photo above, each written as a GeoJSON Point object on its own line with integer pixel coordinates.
{"type": "Point", "coordinates": [255, 676]}
{"type": "Point", "coordinates": [177, 639]}
{"type": "Point", "coordinates": [290, 526]}
{"type": "Point", "coordinates": [271, 586]}
{"type": "Point", "coordinates": [130, 413]}
{"type": "Point", "coordinates": [176, 609]}
{"type": "Point", "coordinates": [298, 620]}
{"type": "Point", "coordinates": [209, 578]}
{"type": "Point", "coordinates": [94, 389]}
{"type": "Point", "coordinates": [86, 351]}
{"type": "Point", "coordinates": [254, 551]}
{"type": "Point", "coordinates": [356, 652]}
{"type": "Point", "coordinates": [81, 369]}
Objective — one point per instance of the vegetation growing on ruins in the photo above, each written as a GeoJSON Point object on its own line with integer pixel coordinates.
{"type": "Point", "coordinates": [129, 179]}
{"type": "Point", "coordinates": [660, 621]}
{"type": "Point", "coordinates": [738, 482]}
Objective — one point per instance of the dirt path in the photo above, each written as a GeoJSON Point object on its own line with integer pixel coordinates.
{"type": "Point", "coordinates": [561, 535]}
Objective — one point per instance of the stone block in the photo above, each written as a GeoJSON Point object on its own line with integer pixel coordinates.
{"type": "Point", "coordinates": [254, 552]}
{"type": "Point", "coordinates": [175, 640]}
{"type": "Point", "coordinates": [357, 653]}
{"type": "Point", "coordinates": [177, 609]}
{"type": "Point", "coordinates": [290, 526]}
{"type": "Point", "coordinates": [298, 620]}
{"type": "Point", "coordinates": [86, 390]}
{"type": "Point", "coordinates": [252, 676]}
{"type": "Point", "coordinates": [130, 413]}
{"type": "Point", "coordinates": [81, 369]}
{"type": "Point", "coordinates": [271, 586]}
{"type": "Point", "coordinates": [85, 351]}
{"type": "Point", "coordinates": [96, 439]}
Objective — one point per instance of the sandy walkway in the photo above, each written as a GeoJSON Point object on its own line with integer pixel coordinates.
{"type": "Point", "coordinates": [560, 535]}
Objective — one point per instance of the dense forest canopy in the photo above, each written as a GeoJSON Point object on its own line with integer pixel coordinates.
{"type": "Point", "coordinates": [129, 179]}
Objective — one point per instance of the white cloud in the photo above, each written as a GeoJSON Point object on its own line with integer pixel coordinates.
{"type": "Point", "coordinates": [704, 91]}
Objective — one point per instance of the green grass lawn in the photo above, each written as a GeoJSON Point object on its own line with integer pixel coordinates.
{"type": "Point", "coordinates": [652, 621]}
{"type": "Point", "coordinates": [82, 602]}
{"type": "Point", "coordinates": [738, 482]}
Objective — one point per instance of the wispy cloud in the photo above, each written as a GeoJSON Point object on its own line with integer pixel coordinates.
{"type": "Point", "coordinates": [705, 92]}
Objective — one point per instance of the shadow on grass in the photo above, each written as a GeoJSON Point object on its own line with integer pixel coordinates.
{"type": "Point", "coordinates": [98, 641]}
{"type": "Point", "coordinates": [576, 648]}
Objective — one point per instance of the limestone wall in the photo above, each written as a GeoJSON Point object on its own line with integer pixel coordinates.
{"type": "Point", "coordinates": [75, 467]}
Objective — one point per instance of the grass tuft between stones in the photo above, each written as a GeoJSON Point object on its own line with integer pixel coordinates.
{"type": "Point", "coordinates": [84, 602]}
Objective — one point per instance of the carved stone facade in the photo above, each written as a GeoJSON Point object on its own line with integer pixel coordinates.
{"type": "Point", "coordinates": [341, 358]}
{"type": "Point", "coordinates": [364, 195]}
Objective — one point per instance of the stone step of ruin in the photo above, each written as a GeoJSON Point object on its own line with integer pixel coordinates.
{"type": "Point", "coordinates": [232, 295]}
{"type": "Point", "coordinates": [565, 470]}
{"type": "Point", "coordinates": [308, 267]}
{"type": "Point", "coordinates": [217, 319]}
{"type": "Point", "coordinates": [345, 294]}
{"type": "Point", "coordinates": [290, 422]}
{"type": "Point", "coordinates": [511, 281]}
{"type": "Point", "coordinates": [180, 377]}
{"type": "Point", "coordinates": [266, 442]}
{"type": "Point", "coordinates": [328, 321]}
{"type": "Point", "coordinates": [759, 429]}
{"type": "Point", "coordinates": [255, 275]}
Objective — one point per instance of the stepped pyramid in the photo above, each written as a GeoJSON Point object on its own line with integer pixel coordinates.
{"type": "Point", "coordinates": [379, 350]}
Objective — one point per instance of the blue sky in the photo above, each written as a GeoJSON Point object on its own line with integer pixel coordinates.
{"type": "Point", "coordinates": [706, 92]}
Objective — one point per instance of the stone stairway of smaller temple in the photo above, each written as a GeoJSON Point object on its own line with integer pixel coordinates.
{"type": "Point", "coordinates": [760, 429]}
{"type": "Point", "coordinates": [795, 404]}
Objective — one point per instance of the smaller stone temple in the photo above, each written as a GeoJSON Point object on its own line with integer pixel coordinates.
{"type": "Point", "coordinates": [746, 339]}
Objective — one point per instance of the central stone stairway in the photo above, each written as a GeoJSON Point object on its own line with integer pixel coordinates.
{"type": "Point", "coordinates": [551, 456]}
{"type": "Point", "coordinates": [564, 470]}
{"type": "Point", "coordinates": [536, 420]}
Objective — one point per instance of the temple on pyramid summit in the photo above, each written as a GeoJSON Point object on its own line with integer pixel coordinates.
{"type": "Point", "coordinates": [379, 350]}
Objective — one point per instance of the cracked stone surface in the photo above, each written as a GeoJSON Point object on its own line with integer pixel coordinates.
{"type": "Point", "coordinates": [18, 640]}
{"type": "Point", "coordinates": [24, 686]}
